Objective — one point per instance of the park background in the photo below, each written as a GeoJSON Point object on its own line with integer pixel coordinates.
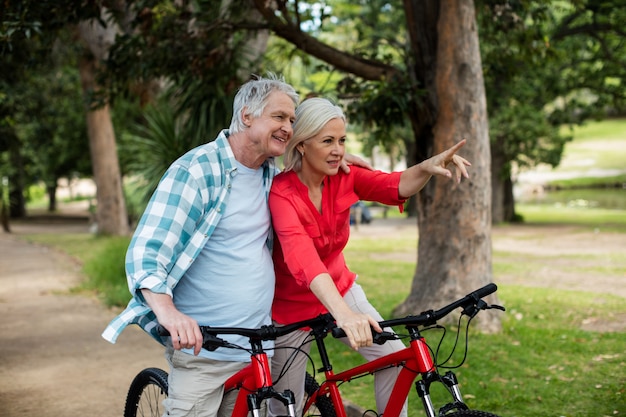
{"type": "Point", "coordinates": [546, 68]}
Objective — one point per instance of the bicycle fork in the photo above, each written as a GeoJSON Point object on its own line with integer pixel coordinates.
{"type": "Point", "coordinates": [259, 371]}
{"type": "Point", "coordinates": [429, 374]}
{"type": "Point", "coordinates": [286, 397]}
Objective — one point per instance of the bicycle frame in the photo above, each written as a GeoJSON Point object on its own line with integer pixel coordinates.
{"type": "Point", "coordinates": [254, 383]}
{"type": "Point", "coordinates": [415, 360]}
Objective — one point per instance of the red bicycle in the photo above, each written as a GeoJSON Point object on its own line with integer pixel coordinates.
{"type": "Point", "coordinates": [253, 385]}
{"type": "Point", "coordinates": [417, 362]}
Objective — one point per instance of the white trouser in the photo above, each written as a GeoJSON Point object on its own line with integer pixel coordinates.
{"type": "Point", "coordinates": [295, 369]}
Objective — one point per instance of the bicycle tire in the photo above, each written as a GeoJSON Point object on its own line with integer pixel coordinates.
{"type": "Point", "coordinates": [146, 394]}
{"type": "Point", "coordinates": [323, 402]}
{"type": "Point", "coordinates": [471, 413]}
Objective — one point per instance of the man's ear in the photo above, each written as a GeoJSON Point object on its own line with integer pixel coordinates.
{"type": "Point", "coordinates": [245, 117]}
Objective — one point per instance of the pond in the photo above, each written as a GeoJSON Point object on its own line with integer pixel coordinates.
{"type": "Point", "coordinates": [604, 198]}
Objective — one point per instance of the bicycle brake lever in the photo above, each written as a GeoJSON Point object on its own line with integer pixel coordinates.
{"type": "Point", "coordinates": [473, 309]}
{"type": "Point", "coordinates": [496, 307]}
{"type": "Point", "coordinates": [211, 342]}
{"type": "Point", "coordinates": [381, 338]}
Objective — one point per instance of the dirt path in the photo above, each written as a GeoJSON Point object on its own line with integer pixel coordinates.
{"type": "Point", "coordinates": [53, 361]}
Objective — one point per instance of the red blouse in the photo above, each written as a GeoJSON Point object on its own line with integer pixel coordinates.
{"type": "Point", "coordinates": [310, 243]}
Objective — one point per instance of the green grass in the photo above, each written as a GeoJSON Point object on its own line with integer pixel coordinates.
{"type": "Point", "coordinates": [603, 219]}
{"type": "Point", "coordinates": [598, 145]}
{"type": "Point", "coordinates": [542, 363]}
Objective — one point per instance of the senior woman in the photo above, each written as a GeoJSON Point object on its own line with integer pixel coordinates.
{"type": "Point", "coordinates": [310, 207]}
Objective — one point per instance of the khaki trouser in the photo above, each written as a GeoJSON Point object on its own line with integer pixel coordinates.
{"type": "Point", "coordinates": [196, 385]}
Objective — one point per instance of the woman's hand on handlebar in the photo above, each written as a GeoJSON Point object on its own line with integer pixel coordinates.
{"type": "Point", "coordinates": [357, 327]}
{"type": "Point", "coordinates": [184, 330]}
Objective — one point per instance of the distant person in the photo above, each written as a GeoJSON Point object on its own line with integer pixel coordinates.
{"type": "Point", "coordinates": [310, 205]}
{"type": "Point", "coordinates": [201, 254]}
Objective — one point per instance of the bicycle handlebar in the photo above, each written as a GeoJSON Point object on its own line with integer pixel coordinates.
{"type": "Point", "coordinates": [326, 323]}
{"type": "Point", "coordinates": [268, 332]}
{"type": "Point", "coordinates": [431, 317]}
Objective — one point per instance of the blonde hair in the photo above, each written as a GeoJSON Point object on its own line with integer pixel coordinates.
{"type": "Point", "coordinates": [311, 117]}
{"type": "Point", "coordinates": [253, 95]}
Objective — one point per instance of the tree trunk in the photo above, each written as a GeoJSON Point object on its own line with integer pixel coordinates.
{"type": "Point", "coordinates": [17, 201]}
{"type": "Point", "coordinates": [51, 190]}
{"type": "Point", "coordinates": [111, 215]}
{"type": "Point", "coordinates": [454, 221]}
{"type": "Point", "coordinates": [497, 185]}
{"type": "Point", "coordinates": [502, 201]}
{"type": "Point", "coordinates": [4, 206]}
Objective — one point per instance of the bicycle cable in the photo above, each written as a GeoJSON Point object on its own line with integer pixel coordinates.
{"type": "Point", "coordinates": [454, 347]}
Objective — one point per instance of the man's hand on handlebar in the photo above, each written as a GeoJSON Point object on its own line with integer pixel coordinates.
{"type": "Point", "coordinates": [183, 329]}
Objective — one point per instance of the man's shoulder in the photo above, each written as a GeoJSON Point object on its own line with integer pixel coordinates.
{"type": "Point", "coordinates": [216, 153]}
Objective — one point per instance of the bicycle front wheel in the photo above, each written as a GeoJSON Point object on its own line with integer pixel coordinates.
{"type": "Point", "coordinates": [146, 394]}
{"type": "Point", "coordinates": [323, 404]}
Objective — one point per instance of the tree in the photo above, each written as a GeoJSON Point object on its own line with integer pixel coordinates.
{"type": "Point", "coordinates": [25, 21]}
{"type": "Point", "coordinates": [54, 137]}
{"type": "Point", "coordinates": [111, 213]}
{"type": "Point", "coordinates": [546, 65]}
{"type": "Point", "coordinates": [439, 89]}
{"type": "Point", "coordinates": [401, 76]}
{"type": "Point", "coordinates": [195, 102]}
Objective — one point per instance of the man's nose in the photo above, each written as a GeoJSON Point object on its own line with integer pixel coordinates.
{"type": "Point", "coordinates": [287, 127]}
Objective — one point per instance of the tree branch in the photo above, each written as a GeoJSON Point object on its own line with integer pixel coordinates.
{"type": "Point", "coordinates": [291, 32]}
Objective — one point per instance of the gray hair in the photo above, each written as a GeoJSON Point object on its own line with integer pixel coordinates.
{"type": "Point", "coordinates": [311, 116]}
{"type": "Point", "coordinates": [253, 96]}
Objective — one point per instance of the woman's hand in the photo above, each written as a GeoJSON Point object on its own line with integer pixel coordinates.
{"type": "Point", "coordinates": [357, 327]}
{"type": "Point", "coordinates": [413, 179]}
{"type": "Point", "coordinates": [437, 165]}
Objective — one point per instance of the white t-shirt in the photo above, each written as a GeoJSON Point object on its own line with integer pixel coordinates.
{"type": "Point", "coordinates": [231, 283]}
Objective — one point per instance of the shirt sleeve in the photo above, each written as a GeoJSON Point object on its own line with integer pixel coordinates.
{"type": "Point", "coordinates": [163, 231]}
{"type": "Point", "coordinates": [295, 227]}
{"type": "Point", "coordinates": [379, 186]}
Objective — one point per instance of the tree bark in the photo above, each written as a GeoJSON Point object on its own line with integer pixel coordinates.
{"type": "Point", "coordinates": [17, 201]}
{"type": "Point", "coordinates": [502, 201]}
{"type": "Point", "coordinates": [111, 215]}
{"type": "Point", "coordinates": [454, 221]}
{"type": "Point", "coordinates": [51, 190]}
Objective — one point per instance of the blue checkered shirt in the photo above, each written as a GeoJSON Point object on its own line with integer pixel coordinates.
{"type": "Point", "coordinates": [179, 219]}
